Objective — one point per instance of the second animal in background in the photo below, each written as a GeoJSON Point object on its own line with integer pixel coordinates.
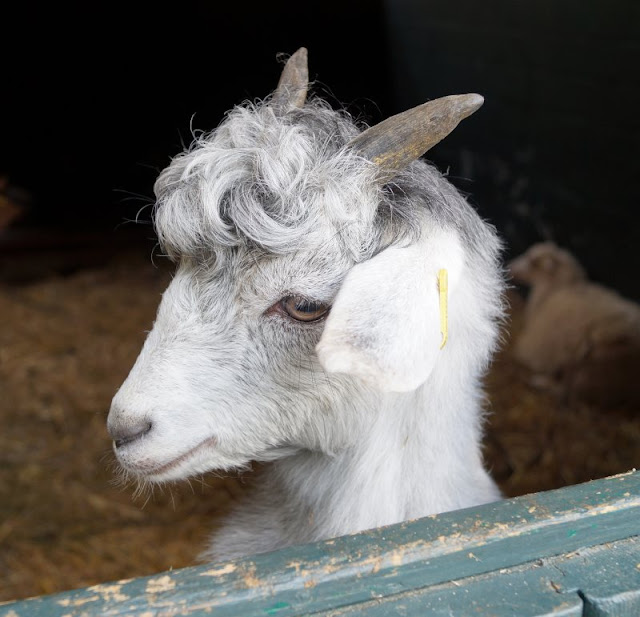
{"type": "Point", "coordinates": [580, 339]}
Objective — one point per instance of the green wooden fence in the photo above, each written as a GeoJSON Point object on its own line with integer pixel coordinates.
{"type": "Point", "coordinates": [568, 552]}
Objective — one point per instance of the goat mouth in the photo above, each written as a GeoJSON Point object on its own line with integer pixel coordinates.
{"type": "Point", "coordinates": [160, 470]}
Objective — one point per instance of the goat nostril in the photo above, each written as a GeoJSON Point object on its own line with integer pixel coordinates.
{"type": "Point", "coordinates": [130, 433]}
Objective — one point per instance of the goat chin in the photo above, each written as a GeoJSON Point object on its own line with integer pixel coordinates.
{"type": "Point", "coordinates": [193, 462]}
{"type": "Point", "coordinates": [303, 326]}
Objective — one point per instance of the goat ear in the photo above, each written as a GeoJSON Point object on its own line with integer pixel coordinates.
{"type": "Point", "coordinates": [294, 82]}
{"type": "Point", "coordinates": [384, 326]}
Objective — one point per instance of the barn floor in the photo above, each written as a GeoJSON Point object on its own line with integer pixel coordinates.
{"type": "Point", "coordinates": [65, 346]}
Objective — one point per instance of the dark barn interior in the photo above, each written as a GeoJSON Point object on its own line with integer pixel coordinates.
{"type": "Point", "coordinates": [97, 98]}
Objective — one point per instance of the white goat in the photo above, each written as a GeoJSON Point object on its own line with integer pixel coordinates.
{"type": "Point", "coordinates": [580, 339]}
{"type": "Point", "coordinates": [283, 211]}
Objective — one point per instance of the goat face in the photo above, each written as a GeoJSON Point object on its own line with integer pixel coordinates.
{"type": "Point", "coordinates": [278, 213]}
{"type": "Point", "coordinates": [228, 375]}
{"type": "Point", "coordinates": [235, 368]}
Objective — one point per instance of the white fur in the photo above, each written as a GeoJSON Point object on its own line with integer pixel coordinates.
{"type": "Point", "coordinates": [379, 425]}
{"type": "Point", "coordinates": [384, 326]}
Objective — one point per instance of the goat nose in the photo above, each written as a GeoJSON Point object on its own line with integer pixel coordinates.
{"type": "Point", "coordinates": [128, 433]}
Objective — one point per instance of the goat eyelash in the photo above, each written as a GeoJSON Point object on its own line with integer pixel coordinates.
{"type": "Point", "coordinates": [304, 310]}
{"type": "Point", "coordinates": [299, 309]}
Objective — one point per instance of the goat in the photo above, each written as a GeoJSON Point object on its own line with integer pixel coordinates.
{"type": "Point", "coordinates": [580, 339]}
{"type": "Point", "coordinates": [303, 324]}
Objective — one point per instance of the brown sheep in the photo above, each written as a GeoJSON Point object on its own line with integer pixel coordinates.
{"type": "Point", "coordinates": [580, 339]}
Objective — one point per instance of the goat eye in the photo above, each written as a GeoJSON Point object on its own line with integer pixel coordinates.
{"type": "Point", "coordinates": [301, 309]}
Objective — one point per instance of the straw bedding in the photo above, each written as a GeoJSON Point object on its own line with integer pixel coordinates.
{"type": "Point", "coordinates": [66, 343]}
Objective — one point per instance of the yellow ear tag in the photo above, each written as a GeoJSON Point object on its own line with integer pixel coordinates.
{"type": "Point", "coordinates": [443, 288]}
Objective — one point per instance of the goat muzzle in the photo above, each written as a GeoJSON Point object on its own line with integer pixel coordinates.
{"type": "Point", "coordinates": [126, 433]}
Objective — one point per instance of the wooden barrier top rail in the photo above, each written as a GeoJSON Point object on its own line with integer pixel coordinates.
{"type": "Point", "coordinates": [569, 552]}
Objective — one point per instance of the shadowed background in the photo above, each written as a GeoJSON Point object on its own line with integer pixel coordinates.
{"type": "Point", "coordinates": [97, 98]}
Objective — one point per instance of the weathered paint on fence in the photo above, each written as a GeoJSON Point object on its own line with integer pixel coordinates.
{"type": "Point", "coordinates": [573, 551]}
{"type": "Point", "coordinates": [598, 577]}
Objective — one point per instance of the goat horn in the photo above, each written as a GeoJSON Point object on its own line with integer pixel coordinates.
{"type": "Point", "coordinates": [294, 82]}
{"type": "Point", "coordinates": [397, 141]}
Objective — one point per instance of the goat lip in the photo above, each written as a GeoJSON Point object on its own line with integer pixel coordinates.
{"type": "Point", "coordinates": [149, 470]}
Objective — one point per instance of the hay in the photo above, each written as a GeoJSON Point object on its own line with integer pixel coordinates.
{"type": "Point", "coordinates": [65, 346]}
